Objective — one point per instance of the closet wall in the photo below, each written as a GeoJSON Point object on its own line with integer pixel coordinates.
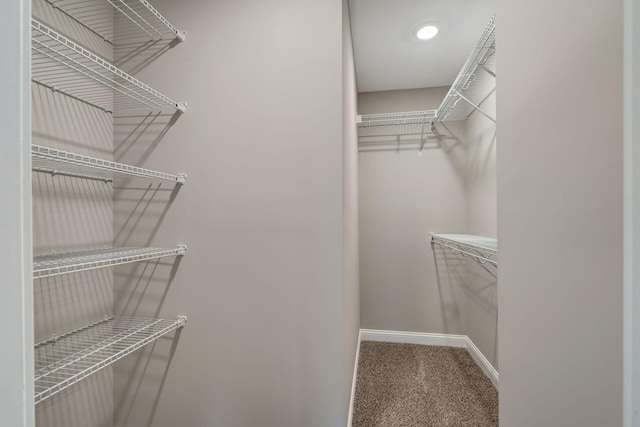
{"type": "Point", "coordinates": [560, 204]}
{"type": "Point", "coordinates": [450, 188]}
{"type": "Point", "coordinates": [403, 197]}
{"type": "Point", "coordinates": [271, 323]}
{"type": "Point", "coordinates": [71, 214]}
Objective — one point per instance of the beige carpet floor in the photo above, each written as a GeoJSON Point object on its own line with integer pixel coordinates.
{"type": "Point", "coordinates": [408, 385]}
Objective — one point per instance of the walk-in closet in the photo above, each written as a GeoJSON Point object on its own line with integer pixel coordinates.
{"type": "Point", "coordinates": [319, 213]}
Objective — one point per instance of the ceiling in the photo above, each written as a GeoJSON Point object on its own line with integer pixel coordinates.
{"type": "Point", "coordinates": [388, 54]}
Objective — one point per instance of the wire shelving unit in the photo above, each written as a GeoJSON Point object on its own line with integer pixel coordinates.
{"type": "Point", "coordinates": [58, 162]}
{"type": "Point", "coordinates": [64, 360]}
{"type": "Point", "coordinates": [73, 262]}
{"type": "Point", "coordinates": [406, 127]}
{"type": "Point", "coordinates": [463, 97]}
{"type": "Point", "coordinates": [395, 119]}
{"type": "Point", "coordinates": [484, 250]}
{"type": "Point", "coordinates": [66, 67]}
{"type": "Point", "coordinates": [146, 23]}
{"type": "Point", "coordinates": [466, 96]}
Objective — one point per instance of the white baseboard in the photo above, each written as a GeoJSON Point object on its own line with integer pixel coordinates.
{"type": "Point", "coordinates": [414, 338]}
{"type": "Point", "coordinates": [423, 338]}
{"type": "Point", "coordinates": [353, 383]}
{"type": "Point", "coordinates": [483, 362]}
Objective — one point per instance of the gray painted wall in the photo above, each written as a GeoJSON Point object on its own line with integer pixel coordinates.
{"type": "Point", "coordinates": [262, 213]}
{"type": "Point", "coordinates": [451, 188]}
{"type": "Point", "coordinates": [560, 212]}
{"type": "Point", "coordinates": [403, 197]}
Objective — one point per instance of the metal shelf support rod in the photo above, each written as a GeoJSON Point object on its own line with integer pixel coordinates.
{"type": "Point", "coordinates": [484, 67]}
{"type": "Point", "coordinates": [474, 106]}
{"type": "Point", "coordinates": [482, 102]}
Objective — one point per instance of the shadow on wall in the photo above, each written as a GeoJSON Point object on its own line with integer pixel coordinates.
{"type": "Point", "coordinates": [140, 207]}
{"type": "Point", "coordinates": [135, 57]}
{"type": "Point", "coordinates": [468, 294]}
{"type": "Point", "coordinates": [134, 49]}
{"type": "Point", "coordinates": [87, 403]}
{"type": "Point", "coordinates": [140, 380]}
{"type": "Point", "coordinates": [482, 155]}
{"type": "Point", "coordinates": [141, 289]}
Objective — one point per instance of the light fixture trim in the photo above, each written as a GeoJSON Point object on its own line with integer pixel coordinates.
{"type": "Point", "coordinates": [427, 32]}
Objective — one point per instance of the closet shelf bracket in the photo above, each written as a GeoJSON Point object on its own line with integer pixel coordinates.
{"type": "Point", "coordinates": [476, 107]}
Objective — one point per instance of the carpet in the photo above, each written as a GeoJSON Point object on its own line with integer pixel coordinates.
{"type": "Point", "coordinates": [409, 385]}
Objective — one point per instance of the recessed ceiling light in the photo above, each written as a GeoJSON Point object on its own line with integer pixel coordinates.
{"type": "Point", "coordinates": [427, 32]}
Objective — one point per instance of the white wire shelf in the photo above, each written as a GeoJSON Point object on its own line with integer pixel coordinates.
{"type": "Point", "coordinates": [67, 359]}
{"type": "Point", "coordinates": [66, 67]}
{"type": "Point", "coordinates": [461, 100]}
{"type": "Point", "coordinates": [482, 249]}
{"type": "Point", "coordinates": [395, 119]}
{"type": "Point", "coordinates": [73, 262]}
{"type": "Point", "coordinates": [375, 130]}
{"type": "Point", "coordinates": [58, 162]}
{"type": "Point", "coordinates": [146, 23]}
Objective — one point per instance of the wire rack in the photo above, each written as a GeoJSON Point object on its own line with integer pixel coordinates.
{"type": "Point", "coordinates": [396, 119]}
{"type": "Point", "coordinates": [146, 23]}
{"type": "Point", "coordinates": [65, 360]}
{"type": "Point", "coordinates": [462, 99]}
{"type": "Point", "coordinates": [72, 262]}
{"type": "Point", "coordinates": [482, 249]}
{"type": "Point", "coordinates": [66, 67]}
{"type": "Point", "coordinates": [58, 162]}
{"type": "Point", "coordinates": [406, 128]}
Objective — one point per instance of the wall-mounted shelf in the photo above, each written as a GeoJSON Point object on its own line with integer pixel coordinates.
{"type": "Point", "coordinates": [406, 127]}
{"type": "Point", "coordinates": [467, 95]}
{"type": "Point", "coordinates": [66, 67]}
{"type": "Point", "coordinates": [67, 359]}
{"type": "Point", "coordinates": [482, 249]}
{"type": "Point", "coordinates": [58, 162]}
{"type": "Point", "coordinates": [395, 119]}
{"type": "Point", "coordinates": [463, 97]}
{"type": "Point", "coordinates": [73, 262]}
{"type": "Point", "coordinates": [98, 16]}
